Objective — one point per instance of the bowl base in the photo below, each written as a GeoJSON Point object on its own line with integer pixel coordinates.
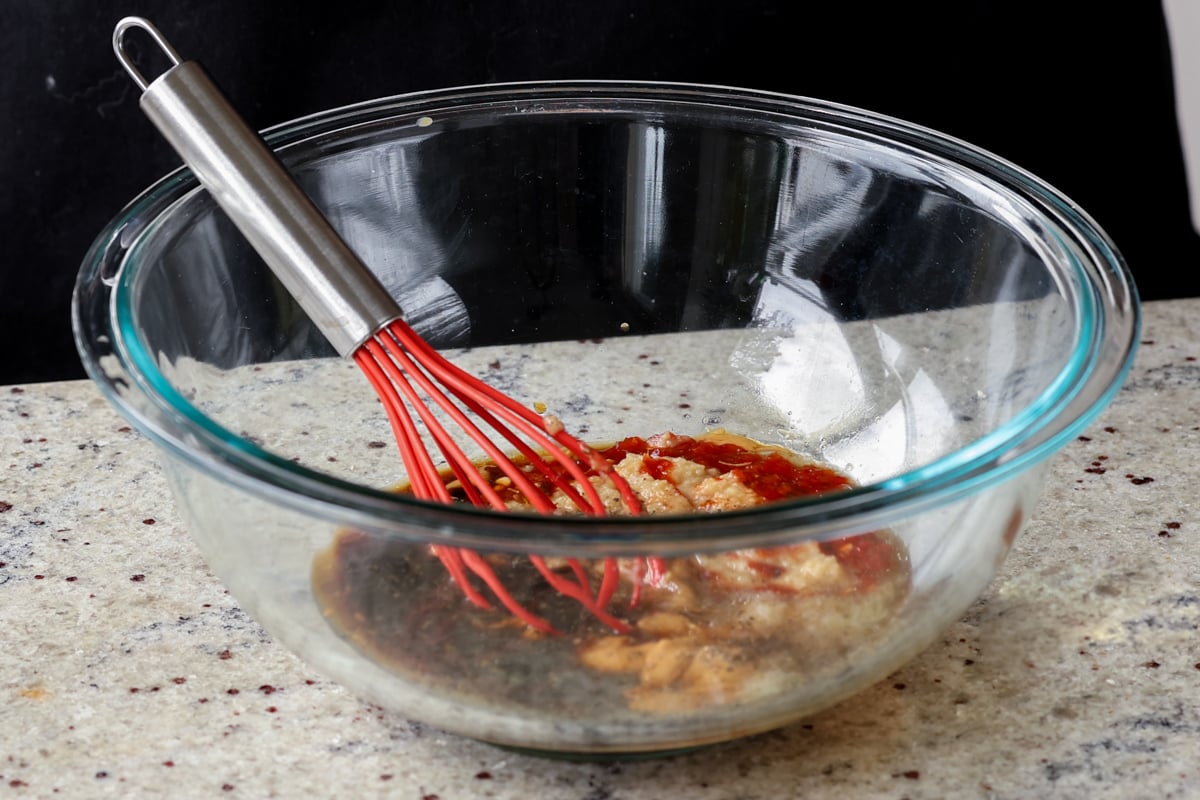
{"type": "Point", "coordinates": [602, 757]}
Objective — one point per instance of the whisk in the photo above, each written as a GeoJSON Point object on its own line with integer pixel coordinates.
{"type": "Point", "coordinates": [362, 322]}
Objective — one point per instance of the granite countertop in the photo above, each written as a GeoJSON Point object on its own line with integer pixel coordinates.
{"type": "Point", "coordinates": [127, 670]}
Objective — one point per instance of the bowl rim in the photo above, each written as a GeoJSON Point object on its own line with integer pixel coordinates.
{"type": "Point", "coordinates": [1106, 304]}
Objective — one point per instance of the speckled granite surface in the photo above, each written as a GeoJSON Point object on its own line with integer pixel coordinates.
{"type": "Point", "coordinates": [127, 671]}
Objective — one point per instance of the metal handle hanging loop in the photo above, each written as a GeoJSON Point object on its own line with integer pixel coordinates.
{"type": "Point", "coordinates": [340, 295]}
{"type": "Point", "coordinates": [119, 47]}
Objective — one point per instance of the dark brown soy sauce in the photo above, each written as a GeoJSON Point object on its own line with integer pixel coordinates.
{"type": "Point", "coordinates": [396, 603]}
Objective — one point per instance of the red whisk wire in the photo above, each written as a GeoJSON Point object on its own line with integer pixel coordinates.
{"type": "Point", "coordinates": [400, 369]}
{"type": "Point", "coordinates": [404, 368]}
{"type": "Point", "coordinates": [489, 403]}
{"type": "Point", "coordinates": [407, 373]}
{"type": "Point", "coordinates": [452, 560]}
{"type": "Point", "coordinates": [412, 453]}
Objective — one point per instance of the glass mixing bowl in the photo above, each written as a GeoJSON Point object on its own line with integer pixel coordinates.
{"type": "Point", "coordinates": [923, 317]}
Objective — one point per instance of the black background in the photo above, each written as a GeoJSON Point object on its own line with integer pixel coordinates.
{"type": "Point", "coordinates": [1078, 93]}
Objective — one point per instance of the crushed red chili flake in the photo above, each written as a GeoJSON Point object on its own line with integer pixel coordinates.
{"type": "Point", "coordinates": [178, 681]}
{"type": "Point", "coordinates": [1151, 664]}
{"type": "Point", "coordinates": [267, 688]}
{"type": "Point", "coordinates": [137, 578]}
{"type": "Point", "coordinates": [225, 655]}
{"type": "Point", "coordinates": [232, 691]}
{"type": "Point", "coordinates": [226, 787]}
{"type": "Point", "coordinates": [483, 775]}
{"type": "Point", "coordinates": [5, 506]}
{"type": "Point", "coordinates": [148, 521]}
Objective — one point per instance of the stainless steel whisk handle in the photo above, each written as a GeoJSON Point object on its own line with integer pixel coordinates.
{"type": "Point", "coordinates": [341, 296]}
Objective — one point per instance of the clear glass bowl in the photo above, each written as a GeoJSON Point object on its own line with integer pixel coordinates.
{"type": "Point", "coordinates": [922, 316]}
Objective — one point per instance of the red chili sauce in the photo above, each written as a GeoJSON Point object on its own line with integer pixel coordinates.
{"type": "Point", "coordinates": [772, 477]}
{"type": "Point", "coordinates": [769, 475]}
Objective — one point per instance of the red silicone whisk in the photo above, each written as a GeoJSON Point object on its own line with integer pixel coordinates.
{"type": "Point", "coordinates": [362, 321]}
